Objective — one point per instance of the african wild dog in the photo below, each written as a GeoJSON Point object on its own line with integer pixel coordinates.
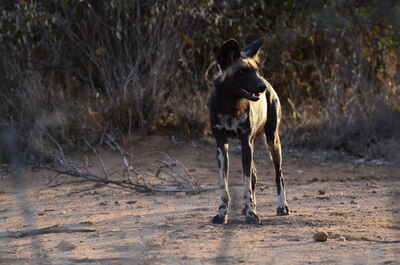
{"type": "Point", "coordinates": [244, 105]}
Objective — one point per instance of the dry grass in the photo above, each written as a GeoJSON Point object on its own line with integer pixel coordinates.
{"type": "Point", "coordinates": [370, 131]}
{"type": "Point", "coordinates": [77, 72]}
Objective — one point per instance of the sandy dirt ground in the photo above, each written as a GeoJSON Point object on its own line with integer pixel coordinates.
{"type": "Point", "coordinates": [355, 201]}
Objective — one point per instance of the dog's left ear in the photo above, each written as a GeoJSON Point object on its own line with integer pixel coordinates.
{"type": "Point", "coordinates": [227, 53]}
{"type": "Point", "coordinates": [252, 49]}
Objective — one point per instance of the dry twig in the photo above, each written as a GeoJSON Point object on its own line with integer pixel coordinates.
{"type": "Point", "coordinates": [74, 228]}
{"type": "Point", "coordinates": [172, 175]}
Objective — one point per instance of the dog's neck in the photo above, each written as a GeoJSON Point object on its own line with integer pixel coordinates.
{"type": "Point", "coordinates": [230, 104]}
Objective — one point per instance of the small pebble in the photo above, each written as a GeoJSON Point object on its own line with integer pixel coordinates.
{"type": "Point", "coordinates": [180, 194]}
{"type": "Point", "coordinates": [341, 238]}
{"type": "Point", "coordinates": [320, 237]}
{"type": "Point", "coordinates": [65, 246]}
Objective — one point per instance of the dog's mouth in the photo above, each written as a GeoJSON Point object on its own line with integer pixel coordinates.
{"type": "Point", "coordinates": [253, 96]}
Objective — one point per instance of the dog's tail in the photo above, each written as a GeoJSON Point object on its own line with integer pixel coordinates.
{"type": "Point", "coordinates": [209, 80]}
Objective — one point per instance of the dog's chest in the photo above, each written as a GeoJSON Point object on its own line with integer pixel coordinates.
{"type": "Point", "coordinates": [232, 124]}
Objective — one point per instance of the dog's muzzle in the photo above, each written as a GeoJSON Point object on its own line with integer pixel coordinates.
{"type": "Point", "coordinates": [252, 95]}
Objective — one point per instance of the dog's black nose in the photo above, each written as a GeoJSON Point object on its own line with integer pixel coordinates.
{"type": "Point", "coordinates": [261, 87]}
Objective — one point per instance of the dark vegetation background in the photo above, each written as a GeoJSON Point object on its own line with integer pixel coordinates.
{"type": "Point", "coordinates": [102, 70]}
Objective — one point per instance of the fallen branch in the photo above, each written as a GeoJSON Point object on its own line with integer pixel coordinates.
{"type": "Point", "coordinates": [353, 238]}
{"type": "Point", "coordinates": [47, 230]}
{"type": "Point", "coordinates": [175, 173]}
{"type": "Point", "coordinates": [127, 184]}
{"type": "Point", "coordinates": [170, 175]}
{"type": "Point", "coordinates": [363, 238]}
{"type": "Point", "coordinates": [92, 177]}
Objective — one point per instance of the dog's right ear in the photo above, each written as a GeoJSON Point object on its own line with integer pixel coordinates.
{"type": "Point", "coordinates": [227, 53]}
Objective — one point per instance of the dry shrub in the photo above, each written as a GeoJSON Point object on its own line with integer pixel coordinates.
{"type": "Point", "coordinates": [73, 71]}
{"type": "Point", "coordinates": [341, 82]}
{"type": "Point", "coordinates": [368, 131]}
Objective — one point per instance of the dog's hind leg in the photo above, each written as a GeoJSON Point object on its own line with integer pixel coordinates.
{"type": "Point", "coordinates": [223, 168]}
{"type": "Point", "coordinates": [276, 152]}
{"type": "Point", "coordinates": [253, 184]}
{"type": "Point", "coordinates": [250, 179]}
{"type": "Point", "coordinates": [274, 143]}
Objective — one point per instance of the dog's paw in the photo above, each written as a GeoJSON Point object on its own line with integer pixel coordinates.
{"type": "Point", "coordinates": [220, 219]}
{"type": "Point", "coordinates": [252, 218]}
{"type": "Point", "coordinates": [281, 211]}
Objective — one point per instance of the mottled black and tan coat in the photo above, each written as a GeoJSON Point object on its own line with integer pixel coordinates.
{"type": "Point", "coordinates": [244, 105]}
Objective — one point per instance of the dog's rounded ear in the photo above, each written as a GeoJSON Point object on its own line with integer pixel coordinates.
{"type": "Point", "coordinates": [227, 53]}
{"type": "Point", "coordinates": [252, 49]}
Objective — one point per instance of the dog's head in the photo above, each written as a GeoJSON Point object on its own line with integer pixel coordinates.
{"type": "Point", "coordinates": [240, 75]}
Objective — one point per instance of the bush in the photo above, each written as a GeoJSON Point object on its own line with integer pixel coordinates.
{"type": "Point", "coordinates": [76, 70]}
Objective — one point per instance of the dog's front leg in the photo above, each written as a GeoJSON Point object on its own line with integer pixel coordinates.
{"type": "Point", "coordinates": [249, 177]}
{"type": "Point", "coordinates": [223, 170]}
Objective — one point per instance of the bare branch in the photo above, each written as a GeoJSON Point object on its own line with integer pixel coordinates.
{"type": "Point", "coordinates": [74, 228]}
{"type": "Point", "coordinates": [99, 158]}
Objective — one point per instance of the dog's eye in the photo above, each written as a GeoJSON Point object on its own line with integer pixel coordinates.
{"type": "Point", "coordinates": [242, 72]}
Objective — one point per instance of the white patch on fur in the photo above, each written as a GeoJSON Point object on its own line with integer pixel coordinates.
{"type": "Point", "coordinates": [281, 199]}
{"type": "Point", "coordinates": [230, 123]}
{"type": "Point", "coordinates": [220, 155]}
{"type": "Point", "coordinates": [223, 182]}
{"type": "Point", "coordinates": [249, 200]}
